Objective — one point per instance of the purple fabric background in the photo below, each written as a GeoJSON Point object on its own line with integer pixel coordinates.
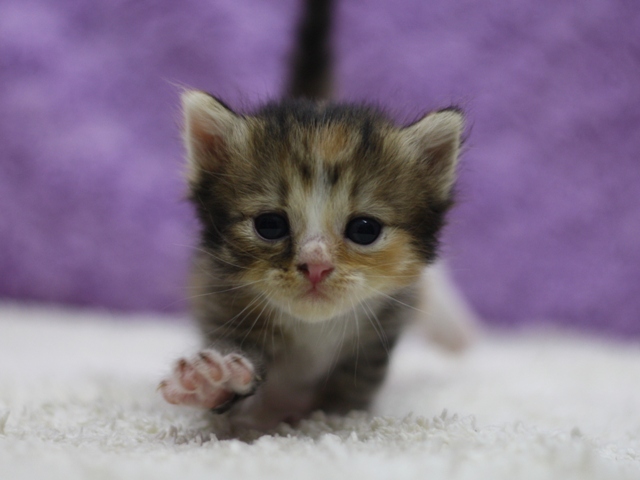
{"type": "Point", "coordinates": [549, 216]}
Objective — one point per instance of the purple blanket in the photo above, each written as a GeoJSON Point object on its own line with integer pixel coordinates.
{"type": "Point", "coordinates": [548, 222]}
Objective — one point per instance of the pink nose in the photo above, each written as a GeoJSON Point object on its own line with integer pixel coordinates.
{"type": "Point", "coordinates": [316, 272]}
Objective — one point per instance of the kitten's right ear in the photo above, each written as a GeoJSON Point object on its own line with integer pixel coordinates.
{"type": "Point", "coordinates": [211, 131]}
{"type": "Point", "coordinates": [436, 138]}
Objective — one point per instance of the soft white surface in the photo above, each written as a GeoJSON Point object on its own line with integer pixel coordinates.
{"type": "Point", "coordinates": [78, 401]}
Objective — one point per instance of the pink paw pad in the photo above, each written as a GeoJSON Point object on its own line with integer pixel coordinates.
{"type": "Point", "coordinates": [208, 380]}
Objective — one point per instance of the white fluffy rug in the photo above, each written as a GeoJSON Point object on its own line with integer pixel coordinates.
{"type": "Point", "coordinates": [78, 401]}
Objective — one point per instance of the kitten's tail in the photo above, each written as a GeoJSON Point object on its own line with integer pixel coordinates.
{"type": "Point", "coordinates": [311, 73]}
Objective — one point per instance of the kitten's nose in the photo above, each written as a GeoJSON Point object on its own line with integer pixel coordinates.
{"type": "Point", "coordinates": [316, 272]}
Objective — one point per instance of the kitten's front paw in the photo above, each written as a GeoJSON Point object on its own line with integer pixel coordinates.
{"type": "Point", "coordinates": [208, 380]}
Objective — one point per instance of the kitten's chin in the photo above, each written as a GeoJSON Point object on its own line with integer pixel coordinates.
{"type": "Point", "coordinates": [314, 309]}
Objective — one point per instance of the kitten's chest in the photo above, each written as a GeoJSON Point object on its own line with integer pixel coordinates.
{"type": "Point", "coordinates": [310, 350]}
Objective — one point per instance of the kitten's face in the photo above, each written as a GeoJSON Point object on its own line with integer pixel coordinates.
{"type": "Point", "coordinates": [316, 210]}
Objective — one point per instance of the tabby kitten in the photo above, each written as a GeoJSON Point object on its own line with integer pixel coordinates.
{"type": "Point", "coordinates": [318, 220]}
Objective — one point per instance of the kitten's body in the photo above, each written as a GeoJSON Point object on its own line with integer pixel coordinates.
{"type": "Point", "coordinates": [317, 222]}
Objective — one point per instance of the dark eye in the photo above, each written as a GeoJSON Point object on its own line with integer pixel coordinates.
{"type": "Point", "coordinates": [363, 230]}
{"type": "Point", "coordinates": [271, 226]}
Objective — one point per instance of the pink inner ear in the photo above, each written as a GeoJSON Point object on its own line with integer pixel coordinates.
{"type": "Point", "coordinates": [204, 131]}
{"type": "Point", "coordinates": [207, 141]}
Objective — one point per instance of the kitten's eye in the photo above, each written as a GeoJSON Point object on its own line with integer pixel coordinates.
{"type": "Point", "coordinates": [363, 230]}
{"type": "Point", "coordinates": [271, 226]}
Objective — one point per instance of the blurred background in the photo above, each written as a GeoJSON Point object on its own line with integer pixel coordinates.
{"type": "Point", "coordinates": [92, 208]}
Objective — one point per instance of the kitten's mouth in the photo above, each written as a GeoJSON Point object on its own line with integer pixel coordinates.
{"type": "Point", "coordinates": [315, 303]}
{"type": "Point", "coordinates": [315, 292]}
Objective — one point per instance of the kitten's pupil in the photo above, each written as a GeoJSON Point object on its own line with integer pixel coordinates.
{"type": "Point", "coordinates": [271, 226]}
{"type": "Point", "coordinates": [363, 231]}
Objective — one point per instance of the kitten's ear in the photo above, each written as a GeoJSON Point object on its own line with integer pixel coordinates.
{"type": "Point", "coordinates": [211, 131]}
{"type": "Point", "coordinates": [436, 139]}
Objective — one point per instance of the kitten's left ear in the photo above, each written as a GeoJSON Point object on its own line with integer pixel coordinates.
{"type": "Point", "coordinates": [436, 139]}
{"type": "Point", "coordinates": [212, 133]}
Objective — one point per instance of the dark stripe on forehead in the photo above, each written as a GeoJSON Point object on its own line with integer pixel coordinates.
{"type": "Point", "coordinates": [305, 172]}
{"type": "Point", "coordinates": [301, 165]}
{"type": "Point", "coordinates": [332, 174]}
{"type": "Point", "coordinates": [283, 191]}
{"type": "Point", "coordinates": [370, 139]}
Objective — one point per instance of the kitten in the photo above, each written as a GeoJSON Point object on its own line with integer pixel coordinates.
{"type": "Point", "coordinates": [318, 220]}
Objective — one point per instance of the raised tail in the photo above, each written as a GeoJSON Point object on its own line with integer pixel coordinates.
{"type": "Point", "coordinates": [311, 66]}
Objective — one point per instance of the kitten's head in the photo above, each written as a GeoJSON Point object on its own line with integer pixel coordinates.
{"type": "Point", "coordinates": [319, 207]}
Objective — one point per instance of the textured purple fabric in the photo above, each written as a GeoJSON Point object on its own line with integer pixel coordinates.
{"type": "Point", "coordinates": [548, 220]}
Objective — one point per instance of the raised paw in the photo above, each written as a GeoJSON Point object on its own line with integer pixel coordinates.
{"type": "Point", "coordinates": [208, 380]}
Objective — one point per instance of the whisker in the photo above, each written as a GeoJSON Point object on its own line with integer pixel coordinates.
{"type": "Point", "coordinates": [393, 276]}
{"type": "Point", "coordinates": [378, 265]}
{"type": "Point", "coordinates": [377, 326]}
{"type": "Point", "coordinates": [257, 303]}
{"type": "Point", "coordinates": [237, 287]}
{"type": "Point", "coordinates": [266, 303]}
{"type": "Point", "coordinates": [273, 331]}
{"type": "Point", "coordinates": [212, 292]}
{"type": "Point", "coordinates": [396, 300]}
{"type": "Point", "coordinates": [264, 334]}
{"type": "Point", "coordinates": [236, 316]}
{"type": "Point", "coordinates": [337, 354]}
{"type": "Point", "coordinates": [357, 345]}
{"type": "Point", "coordinates": [217, 257]}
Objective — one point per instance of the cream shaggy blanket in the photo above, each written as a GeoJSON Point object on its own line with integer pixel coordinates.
{"type": "Point", "coordinates": [78, 401]}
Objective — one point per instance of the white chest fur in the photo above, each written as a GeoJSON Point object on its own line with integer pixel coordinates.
{"type": "Point", "coordinates": [301, 364]}
{"type": "Point", "coordinates": [313, 348]}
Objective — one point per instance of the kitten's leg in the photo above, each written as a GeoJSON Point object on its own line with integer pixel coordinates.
{"type": "Point", "coordinates": [447, 319]}
{"type": "Point", "coordinates": [210, 380]}
{"type": "Point", "coordinates": [359, 374]}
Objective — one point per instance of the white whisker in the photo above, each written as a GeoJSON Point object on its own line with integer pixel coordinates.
{"type": "Point", "coordinates": [377, 326]}
{"type": "Point", "coordinates": [214, 256]}
{"type": "Point", "coordinates": [357, 345]}
{"type": "Point", "coordinates": [236, 316]}
{"type": "Point", "coordinates": [396, 300]}
{"type": "Point", "coordinates": [266, 303]}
